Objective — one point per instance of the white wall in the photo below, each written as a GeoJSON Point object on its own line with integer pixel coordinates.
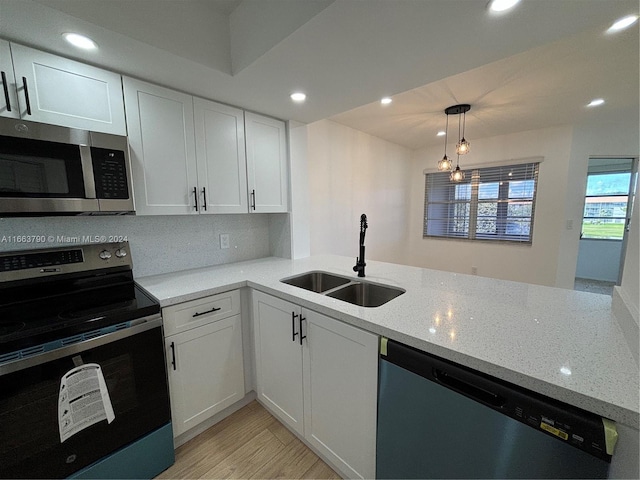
{"type": "Point", "coordinates": [631, 270]}
{"type": "Point", "coordinates": [604, 136]}
{"type": "Point", "coordinates": [351, 173]}
{"type": "Point", "coordinates": [625, 297]}
{"type": "Point", "coordinates": [599, 259]}
{"type": "Point", "coordinates": [525, 263]}
{"type": "Point", "coordinates": [299, 188]}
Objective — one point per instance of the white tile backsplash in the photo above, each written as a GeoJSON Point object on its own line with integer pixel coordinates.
{"type": "Point", "coordinates": [159, 244]}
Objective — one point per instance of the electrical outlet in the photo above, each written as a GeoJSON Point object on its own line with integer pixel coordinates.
{"type": "Point", "coordinates": [474, 270]}
{"type": "Point", "coordinates": [224, 240]}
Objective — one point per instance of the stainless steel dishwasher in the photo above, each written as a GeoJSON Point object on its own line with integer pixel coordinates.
{"type": "Point", "coordinates": [437, 419]}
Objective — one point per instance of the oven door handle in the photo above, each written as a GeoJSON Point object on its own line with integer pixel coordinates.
{"type": "Point", "coordinates": [138, 326]}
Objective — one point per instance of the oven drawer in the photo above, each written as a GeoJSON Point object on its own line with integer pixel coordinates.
{"type": "Point", "coordinates": [188, 315]}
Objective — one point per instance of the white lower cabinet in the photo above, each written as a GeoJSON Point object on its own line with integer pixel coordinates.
{"type": "Point", "coordinates": [279, 358]}
{"type": "Point", "coordinates": [205, 363]}
{"type": "Point", "coordinates": [319, 376]}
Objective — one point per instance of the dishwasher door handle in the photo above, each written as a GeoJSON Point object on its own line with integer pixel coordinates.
{"type": "Point", "coordinates": [468, 389]}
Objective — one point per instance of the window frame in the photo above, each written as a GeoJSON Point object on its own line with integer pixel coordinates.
{"type": "Point", "coordinates": [627, 196]}
{"type": "Point", "coordinates": [529, 171]}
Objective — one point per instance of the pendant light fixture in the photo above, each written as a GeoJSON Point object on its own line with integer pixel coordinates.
{"type": "Point", "coordinates": [457, 175]}
{"type": "Point", "coordinates": [462, 146]}
{"type": "Point", "coordinates": [445, 165]}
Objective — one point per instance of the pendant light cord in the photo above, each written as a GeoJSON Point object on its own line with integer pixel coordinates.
{"type": "Point", "coordinates": [446, 130]}
{"type": "Point", "coordinates": [464, 123]}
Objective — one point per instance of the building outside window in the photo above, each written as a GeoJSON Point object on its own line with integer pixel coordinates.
{"type": "Point", "coordinates": [606, 203]}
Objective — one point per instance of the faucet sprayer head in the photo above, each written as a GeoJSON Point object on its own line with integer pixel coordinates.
{"type": "Point", "coordinates": [363, 222]}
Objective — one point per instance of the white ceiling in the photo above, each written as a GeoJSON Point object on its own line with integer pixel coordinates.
{"type": "Point", "coordinates": [536, 66]}
{"type": "Point", "coordinates": [542, 87]}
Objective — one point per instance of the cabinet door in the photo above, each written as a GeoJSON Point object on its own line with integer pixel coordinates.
{"type": "Point", "coordinates": [222, 166]}
{"type": "Point", "coordinates": [162, 145]}
{"type": "Point", "coordinates": [279, 358]}
{"type": "Point", "coordinates": [340, 393]}
{"type": "Point", "coordinates": [8, 99]}
{"type": "Point", "coordinates": [267, 172]}
{"type": "Point", "coordinates": [206, 372]}
{"type": "Point", "coordinates": [60, 91]}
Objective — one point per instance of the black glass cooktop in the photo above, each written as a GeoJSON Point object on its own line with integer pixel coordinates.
{"type": "Point", "coordinates": [39, 312]}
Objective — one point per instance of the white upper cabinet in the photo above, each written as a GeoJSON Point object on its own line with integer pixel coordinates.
{"type": "Point", "coordinates": [163, 157]}
{"type": "Point", "coordinates": [267, 172]}
{"type": "Point", "coordinates": [220, 150]}
{"type": "Point", "coordinates": [60, 91]}
{"type": "Point", "coordinates": [8, 99]}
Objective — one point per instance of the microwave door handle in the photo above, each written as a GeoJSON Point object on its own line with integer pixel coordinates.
{"type": "Point", "coordinates": [87, 172]}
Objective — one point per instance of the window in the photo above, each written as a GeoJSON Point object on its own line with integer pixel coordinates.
{"type": "Point", "coordinates": [493, 203]}
{"type": "Point", "coordinates": [607, 199]}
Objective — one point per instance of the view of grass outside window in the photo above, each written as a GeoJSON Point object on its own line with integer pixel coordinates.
{"type": "Point", "coordinates": [493, 203]}
{"type": "Point", "coordinates": [606, 203]}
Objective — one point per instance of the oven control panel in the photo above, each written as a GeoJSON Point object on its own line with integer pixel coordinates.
{"type": "Point", "coordinates": [26, 264]}
{"type": "Point", "coordinates": [23, 261]}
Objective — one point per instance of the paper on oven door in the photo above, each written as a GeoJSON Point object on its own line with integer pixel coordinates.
{"type": "Point", "coordinates": [83, 400]}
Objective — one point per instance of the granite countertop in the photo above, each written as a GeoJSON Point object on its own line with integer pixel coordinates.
{"type": "Point", "coordinates": [561, 343]}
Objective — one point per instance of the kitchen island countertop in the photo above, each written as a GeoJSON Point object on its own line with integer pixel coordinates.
{"type": "Point", "coordinates": [557, 342]}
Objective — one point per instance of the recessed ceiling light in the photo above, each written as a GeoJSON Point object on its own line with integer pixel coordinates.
{"type": "Point", "coordinates": [595, 102]}
{"type": "Point", "coordinates": [80, 41]}
{"type": "Point", "coordinates": [502, 5]}
{"type": "Point", "coordinates": [623, 23]}
{"type": "Point", "coordinates": [298, 97]}
{"type": "Point", "coordinates": [441, 133]}
{"type": "Point", "coordinates": [386, 100]}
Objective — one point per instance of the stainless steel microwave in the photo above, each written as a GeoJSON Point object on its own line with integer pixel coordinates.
{"type": "Point", "coordinates": [52, 170]}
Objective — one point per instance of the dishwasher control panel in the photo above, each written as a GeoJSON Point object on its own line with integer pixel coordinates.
{"type": "Point", "coordinates": [576, 427]}
{"type": "Point", "coordinates": [570, 425]}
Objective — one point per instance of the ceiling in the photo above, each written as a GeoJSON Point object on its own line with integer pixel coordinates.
{"type": "Point", "coordinates": [535, 66]}
{"type": "Point", "coordinates": [542, 87]}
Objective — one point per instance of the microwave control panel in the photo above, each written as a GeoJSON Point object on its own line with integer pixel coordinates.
{"type": "Point", "coordinates": [110, 173]}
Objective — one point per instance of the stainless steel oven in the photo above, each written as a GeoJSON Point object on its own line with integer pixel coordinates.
{"type": "Point", "coordinates": [83, 382]}
{"type": "Point", "coordinates": [47, 169]}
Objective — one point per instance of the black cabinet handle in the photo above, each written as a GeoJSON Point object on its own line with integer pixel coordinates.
{"type": "Point", "coordinates": [294, 315]}
{"type": "Point", "coordinates": [302, 337]}
{"type": "Point", "coordinates": [195, 197]}
{"type": "Point", "coordinates": [253, 199]}
{"type": "Point", "coordinates": [214, 309]}
{"type": "Point", "coordinates": [26, 95]}
{"type": "Point", "coordinates": [204, 194]}
{"type": "Point", "coordinates": [6, 92]}
{"type": "Point", "coordinates": [173, 355]}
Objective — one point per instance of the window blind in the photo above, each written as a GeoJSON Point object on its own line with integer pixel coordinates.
{"type": "Point", "coordinates": [494, 203]}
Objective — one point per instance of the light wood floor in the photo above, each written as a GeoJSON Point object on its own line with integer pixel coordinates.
{"type": "Point", "coordinates": [250, 443]}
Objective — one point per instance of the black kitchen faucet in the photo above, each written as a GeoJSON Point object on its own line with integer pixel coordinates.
{"type": "Point", "coordinates": [360, 264]}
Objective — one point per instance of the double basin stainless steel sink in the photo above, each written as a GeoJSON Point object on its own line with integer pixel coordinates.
{"type": "Point", "coordinates": [364, 294]}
